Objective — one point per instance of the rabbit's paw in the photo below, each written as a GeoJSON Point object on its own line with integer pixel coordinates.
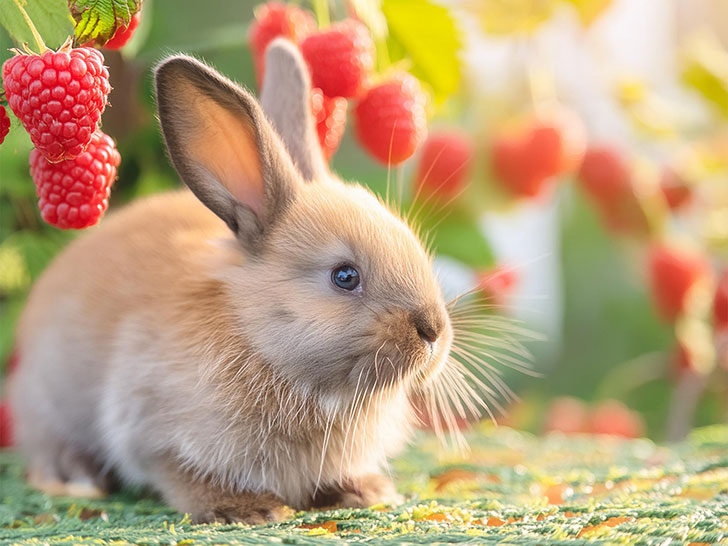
{"type": "Point", "coordinates": [369, 490]}
{"type": "Point", "coordinates": [247, 508]}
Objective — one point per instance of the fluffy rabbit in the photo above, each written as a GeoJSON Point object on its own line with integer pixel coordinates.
{"type": "Point", "coordinates": [249, 345]}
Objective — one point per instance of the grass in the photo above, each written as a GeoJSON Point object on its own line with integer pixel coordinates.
{"type": "Point", "coordinates": [513, 489]}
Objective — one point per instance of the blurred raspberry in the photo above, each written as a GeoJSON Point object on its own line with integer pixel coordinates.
{"type": "Point", "coordinates": [497, 284]}
{"type": "Point", "coordinates": [4, 124]}
{"type": "Point", "coordinates": [390, 119]}
{"type": "Point", "coordinates": [568, 415]}
{"type": "Point", "coordinates": [675, 188]}
{"type": "Point", "coordinates": [525, 160]}
{"type": "Point", "coordinates": [273, 20]}
{"type": "Point", "coordinates": [720, 304]}
{"type": "Point", "coordinates": [444, 165]}
{"type": "Point", "coordinates": [614, 418]}
{"type": "Point", "coordinates": [74, 193]}
{"type": "Point", "coordinates": [58, 97]}
{"type": "Point", "coordinates": [673, 272]}
{"type": "Point", "coordinates": [330, 116]}
{"type": "Point", "coordinates": [340, 58]}
{"type": "Point", "coordinates": [6, 425]}
{"type": "Point", "coordinates": [604, 175]}
{"type": "Point", "coordinates": [123, 34]}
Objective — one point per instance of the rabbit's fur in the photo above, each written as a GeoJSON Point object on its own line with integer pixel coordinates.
{"type": "Point", "coordinates": [205, 351]}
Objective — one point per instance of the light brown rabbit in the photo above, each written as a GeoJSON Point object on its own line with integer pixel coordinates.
{"type": "Point", "coordinates": [248, 345]}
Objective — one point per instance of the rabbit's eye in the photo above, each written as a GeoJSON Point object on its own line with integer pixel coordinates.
{"type": "Point", "coordinates": [346, 277]}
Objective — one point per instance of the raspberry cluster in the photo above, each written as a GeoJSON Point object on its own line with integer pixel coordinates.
{"type": "Point", "coordinates": [390, 116]}
{"type": "Point", "coordinates": [59, 97]}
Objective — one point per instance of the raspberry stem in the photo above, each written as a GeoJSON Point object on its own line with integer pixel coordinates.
{"type": "Point", "coordinates": [36, 35]}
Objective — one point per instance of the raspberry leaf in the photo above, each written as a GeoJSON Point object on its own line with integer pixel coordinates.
{"type": "Point", "coordinates": [50, 17]}
{"type": "Point", "coordinates": [98, 20]}
{"type": "Point", "coordinates": [430, 40]}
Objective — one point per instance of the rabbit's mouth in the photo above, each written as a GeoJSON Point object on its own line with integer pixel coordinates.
{"type": "Point", "coordinates": [404, 360]}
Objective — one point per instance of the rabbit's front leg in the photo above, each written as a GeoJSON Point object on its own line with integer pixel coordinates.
{"type": "Point", "coordinates": [208, 502]}
{"type": "Point", "coordinates": [360, 492]}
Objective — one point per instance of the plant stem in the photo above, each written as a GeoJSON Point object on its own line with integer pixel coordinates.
{"type": "Point", "coordinates": [36, 35]}
{"type": "Point", "coordinates": [321, 9]}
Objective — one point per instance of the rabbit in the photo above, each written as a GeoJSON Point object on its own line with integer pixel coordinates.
{"type": "Point", "coordinates": [245, 348]}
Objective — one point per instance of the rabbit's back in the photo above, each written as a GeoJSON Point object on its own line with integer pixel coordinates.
{"type": "Point", "coordinates": [113, 292]}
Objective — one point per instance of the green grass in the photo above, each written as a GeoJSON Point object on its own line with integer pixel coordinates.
{"type": "Point", "coordinates": [513, 489]}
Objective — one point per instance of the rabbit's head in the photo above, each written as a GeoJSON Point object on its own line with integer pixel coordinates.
{"type": "Point", "coordinates": [330, 288]}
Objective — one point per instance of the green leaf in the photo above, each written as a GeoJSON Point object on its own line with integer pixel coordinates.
{"type": "Point", "coordinates": [50, 17]}
{"type": "Point", "coordinates": [425, 33]}
{"type": "Point", "coordinates": [98, 20]}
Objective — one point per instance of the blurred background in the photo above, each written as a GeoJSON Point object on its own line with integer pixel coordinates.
{"type": "Point", "coordinates": [575, 176]}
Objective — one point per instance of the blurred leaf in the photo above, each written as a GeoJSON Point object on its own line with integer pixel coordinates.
{"type": "Point", "coordinates": [589, 10]}
{"type": "Point", "coordinates": [38, 248]}
{"type": "Point", "coordinates": [510, 16]}
{"type": "Point", "coordinates": [14, 275]}
{"type": "Point", "coordinates": [9, 313]}
{"type": "Point", "coordinates": [459, 236]}
{"type": "Point", "coordinates": [425, 33]}
{"type": "Point", "coordinates": [50, 17]}
{"type": "Point", "coordinates": [706, 70]}
{"type": "Point", "coordinates": [98, 19]}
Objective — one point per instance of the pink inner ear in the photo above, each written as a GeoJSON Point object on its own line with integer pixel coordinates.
{"type": "Point", "coordinates": [227, 147]}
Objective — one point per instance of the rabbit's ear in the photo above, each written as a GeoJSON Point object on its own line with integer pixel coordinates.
{"type": "Point", "coordinates": [223, 147]}
{"type": "Point", "coordinates": [286, 100]}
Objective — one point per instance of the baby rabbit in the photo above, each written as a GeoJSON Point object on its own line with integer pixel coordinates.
{"type": "Point", "coordinates": [249, 345]}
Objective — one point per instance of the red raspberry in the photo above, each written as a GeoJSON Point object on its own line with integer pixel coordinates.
{"type": "Point", "coordinates": [605, 175]}
{"type": "Point", "coordinates": [272, 20]}
{"type": "Point", "coordinates": [497, 284]}
{"type": "Point", "coordinates": [330, 116]}
{"type": "Point", "coordinates": [123, 34]}
{"type": "Point", "coordinates": [75, 193]}
{"type": "Point", "coordinates": [390, 119]}
{"type": "Point", "coordinates": [527, 159]}
{"type": "Point", "coordinates": [567, 415]}
{"type": "Point", "coordinates": [444, 164]}
{"type": "Point", "coordinates": [59, 97]}
{"type": "Point", "coordinates": [673, 272]}
{"type": "Point", "coordinates": [720, 304]}
{"type": "Point", "coordinates": [675, 189]}
{"type": "Point", "coordinates": [6, 425]}
{"type": "Point", "coordinates": [4, 124]}
{"type": "Point", "coordinates": [340, 58]}
{"type": "Point", "coordinates": [614, 418]}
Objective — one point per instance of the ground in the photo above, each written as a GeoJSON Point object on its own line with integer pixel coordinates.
{"type": "Point", "coordinates": [514, 488]}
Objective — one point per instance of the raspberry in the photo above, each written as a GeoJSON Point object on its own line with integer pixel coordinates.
{"type": "Point", "coordinates": [123, 34]}
{"type": "Point", "coordinates": [75, 192]}
{"type": "Point", "coordinates": [444, 164]}
{"type": "Point", "coordinates": [720, 304]}
{"type": "Point", "coordinates": [567, 415]}
{"type": "Point", "coordinates": [340, 58]}
{"type": "Point", "coordinates": [604, 175]}
{"type": "Point", "coordinates": [614, 418]}
{"type": "Point", "coordinates": [4, 124]}
{"type": "Point", "coordinates": [497, 284]}
{"type": "Point", "coordinates": [675, 189]}
{"type": "Point", "coordinates": [272, 20]}
{"type": "Point", "coordinates": [525, 161]}
{"type": "Point", "coordinates": [330, 116]}
{"type": "Point", "coordinates": [390, 119]}
{"type": "Point", "coordinates": [6, 425]}
{"type": "Point", "coordinates": [673, 272]}
{"type": "Point", "coordinates": [59, 97]}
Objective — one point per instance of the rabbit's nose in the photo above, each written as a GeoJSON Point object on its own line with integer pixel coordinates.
{"type": "Point", "coordinates": [428, 322]}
